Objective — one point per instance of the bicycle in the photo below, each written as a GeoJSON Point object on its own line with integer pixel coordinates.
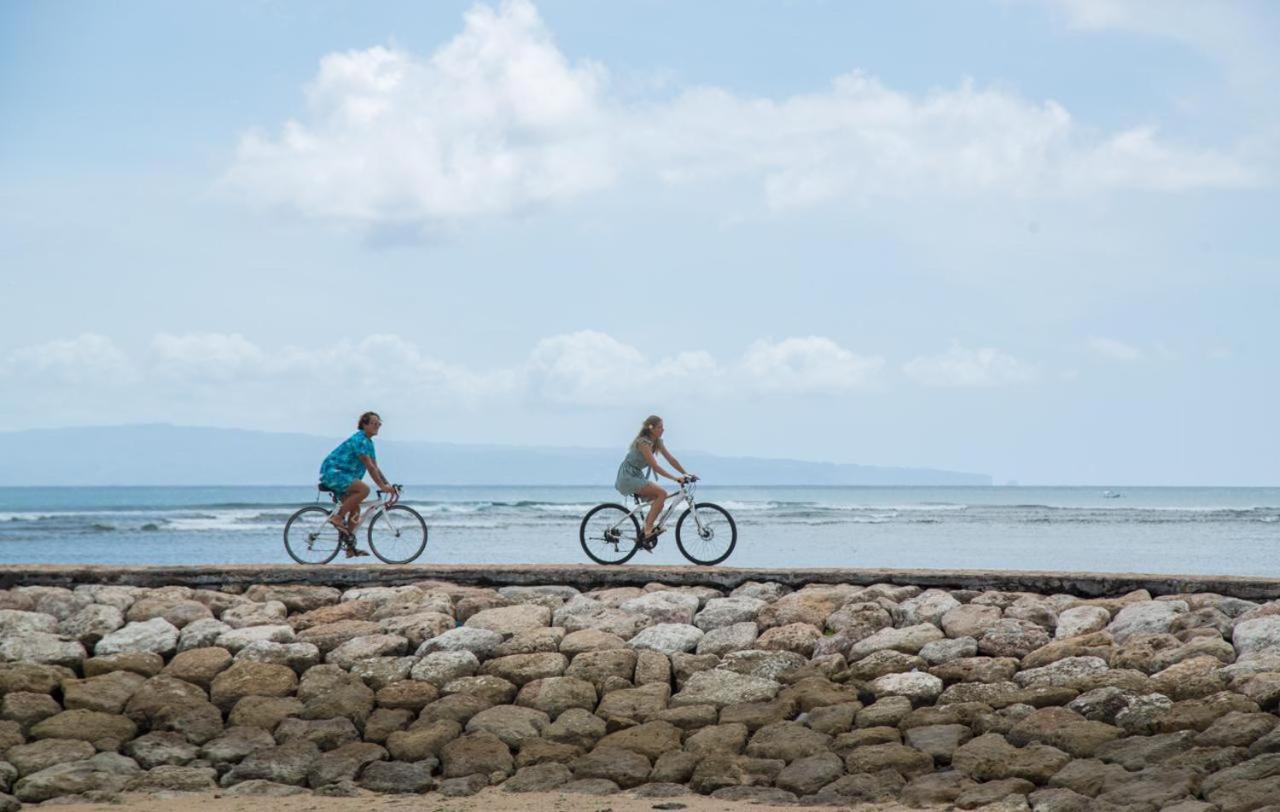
{"type": "Point", "coordinates": [397, 533]}
{"type": "Point", "coordinates": [615, 531]}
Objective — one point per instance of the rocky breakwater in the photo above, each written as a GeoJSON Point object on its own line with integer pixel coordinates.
{"type": "Point", "coordinates": [830, 694]}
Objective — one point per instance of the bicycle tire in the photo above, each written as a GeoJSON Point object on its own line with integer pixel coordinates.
{"type": "Point", "coordinates": [707, 507]}
{"type": "Point", "coordinates": [414, 518]}
{"type": "Point", "coordinates": [323, 557]}
{"type": "Point", "coordinates": [622, 515]}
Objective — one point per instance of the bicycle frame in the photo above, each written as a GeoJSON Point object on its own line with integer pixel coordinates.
{"type": "Point", "coordinates": [682, 494]}
{"type": "Point", "coordinates": [378, 507]}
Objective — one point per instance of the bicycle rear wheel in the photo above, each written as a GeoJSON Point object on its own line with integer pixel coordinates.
{"type": "Point", "coordinates": [711, 537]}
{"type": "Point", "coordinates": [309, 538]}
{"type": "Point", "coordinates": [609, 534]}
{"type": "Point", "coordinates": [398, 535]}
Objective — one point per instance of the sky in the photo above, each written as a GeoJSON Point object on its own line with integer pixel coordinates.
{"type": "Point", "coordinates": [1032, 239]}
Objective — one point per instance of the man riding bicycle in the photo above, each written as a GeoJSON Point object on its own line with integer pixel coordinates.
{"type": "Point", "coordinates": [342, 473]}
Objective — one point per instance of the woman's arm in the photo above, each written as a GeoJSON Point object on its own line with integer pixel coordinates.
{"type": "Point", "coordinates": [671, 459]}
{"type": "Point", "coordinates": [647, 451]}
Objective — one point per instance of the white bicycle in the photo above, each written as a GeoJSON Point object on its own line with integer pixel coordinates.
{"type": "Point", "coordinates": [705, 533]}
{"type": "Point", "coordinates": [397, 533]}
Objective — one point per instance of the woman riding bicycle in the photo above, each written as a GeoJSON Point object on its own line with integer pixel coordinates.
{"type": "Point", "coordinates": [342, 472]}
{"type": "Point", "coordinates": [633, 477]}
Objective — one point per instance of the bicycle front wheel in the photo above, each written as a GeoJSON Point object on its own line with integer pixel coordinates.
{"type": "Point", "coordinates": [610, 534]}
{"type": "Point", "coordinates": [309, 538]}
{"type": "Point", "coordinates": [398, 534]}
{"type": "Point", "coordinates": [708, 537]}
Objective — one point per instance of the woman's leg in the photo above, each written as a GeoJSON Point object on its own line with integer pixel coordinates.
{"type": "Point", "coordinates": [657, 497]}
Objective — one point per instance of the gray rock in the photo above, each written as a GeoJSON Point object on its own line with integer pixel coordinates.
{"type": "Point", "coordinates": [944, 651]}
{"type": "Point", "coordinates": [42, 648]}
{"type": "Point", "coordinates": [397, 777]}
{"type": "Point", "coordinates": [908, 640]}
{"type": "Point", "coordinates": [157, 636]}
{"type": "Point", "coordinates": [1080, 620]}
{"type": "Point", "coordinates": [668, 638]}
{"type": "Point", "coordinates": [483, 643]}
{"type": "Point", "coordinates": [366, 647]}
{"type": "Point", "coordinates": [442, 667]}
{"type": "Point", "coordinates": [270, 613]}
{"type": "Point", "coordinates": [1145, 617]}
{"type": "Point", "coordinates": [297, 656]}
{"type": "Point", "coordinates": [201, 633]}
{"type": "Point", "coordinates": [721, 688]}
{"type": "Point", "coordinates": [234, 640]}
{"type": "Point", "coordinates": [1259, 636]}
{"type": "Point", "coordinates": [91, 623]}
{"type": "Point", "coordinates": [721, 640]}
{"type": "Point", "coordinates": [538, 778]}
{"type": "Point", "coordinates": [721, 612]}
{"type": "Point", "coordinates": [665, 607]}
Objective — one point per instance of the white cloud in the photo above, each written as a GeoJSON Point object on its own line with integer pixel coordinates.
{"type": "Point", "coordinates": [591, 368]}
{"type": "Point", "coordinates": [807, 365]}
{"type": "Point", "coordinates": [88, 358]}
{"type": "Point", "coordinates": [1115, 350]}
{"type": "Point", "coordinates": [499, 120]}
{"type": "Point", "coordinates": [494, 121]}
{"type": "Point", "coordinates": [581, 369]}
{"type": "Point", "coordinates": [1237, 34]}
{"type": "Point", "coordinates": [961, 367]}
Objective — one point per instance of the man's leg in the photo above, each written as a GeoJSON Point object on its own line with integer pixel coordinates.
{"type": "Point", "coordinates": [350, 507]}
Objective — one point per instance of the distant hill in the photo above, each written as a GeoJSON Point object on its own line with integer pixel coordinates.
{"type": "Point", "coordinates": [183, 455]}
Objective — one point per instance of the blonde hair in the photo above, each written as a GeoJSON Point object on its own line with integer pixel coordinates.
{"type": "Point", "coordinates": [646, 428]}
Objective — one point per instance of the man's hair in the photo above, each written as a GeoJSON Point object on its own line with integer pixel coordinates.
{"type": "Point", "coordinates": [366, 417]}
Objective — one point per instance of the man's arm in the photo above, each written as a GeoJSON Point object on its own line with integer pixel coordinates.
{"type": "Point", "coordinates": [374, 471]}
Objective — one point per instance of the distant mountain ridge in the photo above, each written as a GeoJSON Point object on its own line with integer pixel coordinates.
{"type": "Point", "coordinates": [164, 454]}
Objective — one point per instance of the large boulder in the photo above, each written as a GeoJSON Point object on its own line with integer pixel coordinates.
{"type": "Point", "coordinates": [442, 667]}
{"type": "Point", "coordinates": [555, 695]}
{"type": "Point", "coordinates": [664, 606]}
{"type": "Point", "coordinates": [1144, 618]}
{"type": "Point", "coordinates": [298, 656]}
{"type": "Point", "coordinates": [483, 643]}
{"type": "Point", "coordinates": [157, 636]}
{"type": "Point", "coordinates": [41, 648]}
{"type": "Point", "coordinates": [510, 620]}
{"type": "Point", "coordinates": [105, 731]}
{"type": "Point", "coordinates": [295, 597]}
{"type": "Point", "coordinates": [105, 772]}
{"type": "Point", "coordinates": [366, 647]}
{"type": "Point", "coordinates": [482, 753]}
{"type": "Point", "coordinates": [720, 612]}
{"type": "Point", "coordinates": [519, 669]}
{"type": "Point", "coordinates": [199, 666]}
{"type": "Point", "coordinates": [512, 724]}
{"type": "Point", "coordinates": [286, 764]}
{"type": "Point", "coordinates": [650, 739]}
{"type": "Point", "coordinates": [1257, 637]}
{"type": "Point", "coordinates": [668, 638]}
{"type": "Point", "coordinates": [235, 640]}
{"type": "Point", "coordinates": [248, 678]}
{"type": "Point", "coordinates": [328, 636]}
{"type": "Point", "coordinates": [106, 693]}
{"type": "Point", "coordinates": [251, 613]}
{"type": "Point", "coordinates": [720, 688]}
{"type": "Point", "coordinates": [990, 757]}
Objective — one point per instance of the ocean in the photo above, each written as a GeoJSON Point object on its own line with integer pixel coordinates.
{"type": "Point", "coordinates": [1219, 531]}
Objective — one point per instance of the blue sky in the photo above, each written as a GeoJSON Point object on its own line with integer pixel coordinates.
{"type": "Point", "coordinates": [1031, 239]}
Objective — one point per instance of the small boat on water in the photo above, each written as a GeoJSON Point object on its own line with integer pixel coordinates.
{"type": "Point", "coordinates": [1111, 494]}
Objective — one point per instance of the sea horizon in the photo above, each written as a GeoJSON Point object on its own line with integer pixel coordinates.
{"type": "Point", "coordinates": [1209, 530]}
